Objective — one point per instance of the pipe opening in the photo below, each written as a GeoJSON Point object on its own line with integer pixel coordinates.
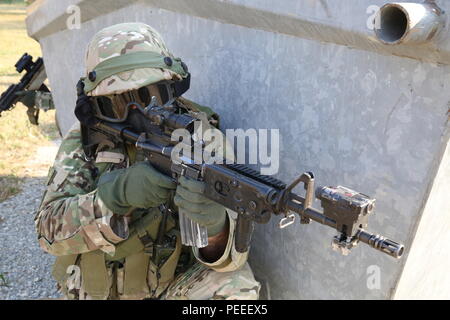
{"type": "Point", "coordinates": [393, 24]}
{"type": "Point", "coordinates": [400, 252]}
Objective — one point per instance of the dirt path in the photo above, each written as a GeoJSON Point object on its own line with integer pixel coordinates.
{"type": "Point", "coordinates": [24, 266]}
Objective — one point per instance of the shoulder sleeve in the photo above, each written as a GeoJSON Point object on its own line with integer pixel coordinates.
{"type": "Point", "coordinates": [231, 260]}
{"type": "Point", "coordinates": [71, 218]}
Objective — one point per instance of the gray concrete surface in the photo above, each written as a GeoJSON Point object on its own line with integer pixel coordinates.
{"type": "Point", "coordinates": [357, 113]}
{"type": "Point", "coordinates": [426, 270]}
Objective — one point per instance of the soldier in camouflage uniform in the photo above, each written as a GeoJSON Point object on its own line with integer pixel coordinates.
{"type": "Point", "coordinates": [101, 214]}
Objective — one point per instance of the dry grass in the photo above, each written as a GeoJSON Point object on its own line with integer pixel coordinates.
{"type": "Point", "coordinates": [19, 139]}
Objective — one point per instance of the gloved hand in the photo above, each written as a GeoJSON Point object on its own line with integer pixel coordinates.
{"type": "Point", "coordinates": [84, 110]}
{"type": "Point", "coordinates": [190, 199]}
{"type": "Point", "coordinates": [27, 97]}
{"type": "Point", "coordinates": [139, 186]}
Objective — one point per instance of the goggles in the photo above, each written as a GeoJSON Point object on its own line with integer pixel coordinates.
{"type": "Point", "coordinates": [115, 108]}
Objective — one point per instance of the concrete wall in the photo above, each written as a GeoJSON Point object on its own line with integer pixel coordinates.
{"type": "Point", "coordinates": [426, 270]}
{"type": "Point", "coordinates": [355, 112]}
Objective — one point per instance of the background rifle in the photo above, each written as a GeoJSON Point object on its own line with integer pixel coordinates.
{"type": "Point", "coordinates": [32, 80]}
{"type": "Point", "coordinates": [253, 196]}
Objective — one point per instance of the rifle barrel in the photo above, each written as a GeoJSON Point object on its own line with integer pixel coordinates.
{"type": "Point", "coordinates": [375, 241]}
{"type": "Point", "coordinates": [381, 243]}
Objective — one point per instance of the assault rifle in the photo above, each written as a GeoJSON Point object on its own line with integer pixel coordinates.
{"type": "Point", "coordinates": [253, 196]}
{"type": "Point", "coordinates": [32, 80]}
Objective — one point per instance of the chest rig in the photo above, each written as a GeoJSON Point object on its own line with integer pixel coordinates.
{"type": "Point", "coordinates": [144, 265]}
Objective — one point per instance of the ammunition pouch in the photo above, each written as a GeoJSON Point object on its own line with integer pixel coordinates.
{"type": "Point", "coordinates": [67, 277]}
{"type": "Point", "coordinates": [148, 267]}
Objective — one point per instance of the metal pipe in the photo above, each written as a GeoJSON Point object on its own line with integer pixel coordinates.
{"type": "Point", "coordinates": [409, 23]}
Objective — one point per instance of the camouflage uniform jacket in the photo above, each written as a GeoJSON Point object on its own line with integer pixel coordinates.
{"type": "Point", "coordinates": [73, 221]}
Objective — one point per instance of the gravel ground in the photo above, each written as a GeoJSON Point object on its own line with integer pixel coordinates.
{"type": "Point", "coordinates": [23, 264]}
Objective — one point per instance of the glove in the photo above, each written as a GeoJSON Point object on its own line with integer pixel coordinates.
{"type": "Point", "coordinates": [27, 97]}
{"type": "Point", "coordinates": [190, 199]}
{"type": "Point", "coordinates": [139, 186]}
{"type": "Point", "coordinates": [84, 110]}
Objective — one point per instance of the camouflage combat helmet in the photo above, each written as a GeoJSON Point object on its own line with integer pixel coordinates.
{"type": "Point", "coordinates": [128, 56]}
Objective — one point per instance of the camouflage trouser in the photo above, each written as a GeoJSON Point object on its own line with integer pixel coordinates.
{"type": "Point", "coordinates": [201, 283]}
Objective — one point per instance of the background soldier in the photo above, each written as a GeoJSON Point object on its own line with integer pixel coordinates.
{"type": "Point", "coordinates": [101, 212]}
